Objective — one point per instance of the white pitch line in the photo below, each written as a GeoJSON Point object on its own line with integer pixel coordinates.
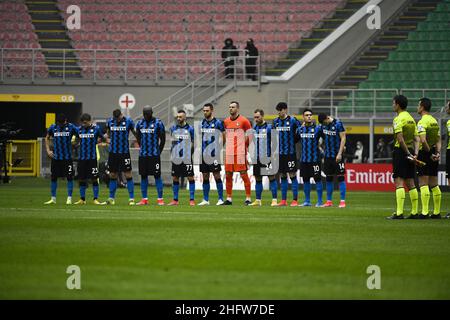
{"type": "Point", "coordinates": [201, 215]}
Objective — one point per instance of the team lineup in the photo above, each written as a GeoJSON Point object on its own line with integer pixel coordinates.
{"type": "Point", "coordinates": [272, 149]}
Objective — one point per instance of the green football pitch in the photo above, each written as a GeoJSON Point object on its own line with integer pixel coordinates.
{"type": "Point", "coordinates": [233, 252]}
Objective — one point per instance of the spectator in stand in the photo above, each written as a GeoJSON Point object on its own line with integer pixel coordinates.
{"type": "Point", "coordinates": [358, 157]}
{"type": "Point", "coordinates": [229, 51]}
{"type": "Point", "coordinates": [382, 150]}
{"type": "Point", "coordinates": [251, 56]}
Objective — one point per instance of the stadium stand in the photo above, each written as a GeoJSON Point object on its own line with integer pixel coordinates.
{"type": "Point", "coordinates": [317, 34]}
{"type": "Point", "coordinates": [411, 54]}
{"type": "Point", "coordinates": [180, 25]}
{"type": "Point", "coordinates": [17, 32]}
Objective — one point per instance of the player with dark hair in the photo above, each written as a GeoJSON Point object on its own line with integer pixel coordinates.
{"type": "Point", "coordinates": [405, 152]}
{"type": "Point", "coordinates": [237, 142]}
{"type": "Point", "coordinates": [181, 156]}
{"type": "Point", "coordinates": [119, 159]}
{"type": "Point", "coordinates": [310, 134]}
{"type": "Point", "coordinates": [263, 166]}
{"type": "Point", "coordinates": [211, 129]}
{"type": "Point", "coordinates": [334, 140]}
{"type": "Point", "coordinates": [151, 136]}
{"type": "Point", "coordinates": [429, 153]}
{"type": "Point", "coordinates": [60, 134]}
{"type": "Point", "coordinates": [88, 135]}
{"type": "Point", "coordinates": [287, 126]}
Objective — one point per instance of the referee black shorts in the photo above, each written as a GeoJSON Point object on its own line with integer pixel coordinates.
{"type": "Point", "coordinates": [431, 167]}
{"type": "Point", "coordinates": [403, 168]}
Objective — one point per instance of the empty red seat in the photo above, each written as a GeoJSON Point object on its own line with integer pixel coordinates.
{"type": "Point", "coordinates": [179, 25]}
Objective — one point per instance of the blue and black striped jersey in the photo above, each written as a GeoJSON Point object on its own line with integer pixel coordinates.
{"type": "Point", "coordinates": [332, 138]}
{"type": "Point", "coordinates": [149, 133]}
{"type": "Point", "coordinates": [286, 134]}
{"type": "Point", "coordinates": [210, 130]}
{"type": "Point", "coordinates": [118, 134]}
{"type": "Point", "coordinates": [309, 140]}
{"type": "Point", "coordinates": [182, 139]}
{"type": "Point", "coordinates": [262, 135]}
{"type": "Point", "coordinates": [62, 140]}
{"type": "Point", "coordinates": [88, 142]}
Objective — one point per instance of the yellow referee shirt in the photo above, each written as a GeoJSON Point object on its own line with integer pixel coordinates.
{"type": "Point", "coordinates": [404, 123]}
{"type": "Point", "coordinates": [429, 127]}
{"type": "Point", "coordinates": [448, 134]}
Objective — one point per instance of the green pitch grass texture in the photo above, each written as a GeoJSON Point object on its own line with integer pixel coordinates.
{"type": "Point", "coordinates": [232, 252]}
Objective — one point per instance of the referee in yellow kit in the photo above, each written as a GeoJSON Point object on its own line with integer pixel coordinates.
{"type": "Point", "coordinates": [404, 155]}
{"type": "Point", "coordinates": [430, 153]}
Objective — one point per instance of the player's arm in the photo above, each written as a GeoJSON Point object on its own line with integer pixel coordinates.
{"type": "Point", "coordinates": [437, 155]}
{"type": "Point", "coordinates": [398, 132]}
{"type": "Point", "coordinates": [224, 137]}
{"type": "Point", "coordinates": [422, 132]}
{"type": "Point", "coordinates": [192, 140]}
{"type": "Point", "coordinates": [47, 146]}
{"type": "Point", "coordinates": [162, 139]}
{"type": "Point", "coordinates": [297, 126]}
{"type": "Point", "coordinates": [248, 133]}
{"type": "Point", "coordinates": [423, 141]}
{"type": "Point", "coordinates": [224, 134]}
{"type": "Point", "coordinates": [249, 137]}
{"type": "Point", "coordinates": [343, 137]}
{"type": "Point", "coordinates": [134, 132]}
{"type": "Point", "coordinates": [138, 135]}
{"type": "Point", "coordinates": [416, 145]}
{"type": "Point", "coordinates": [403, 145]}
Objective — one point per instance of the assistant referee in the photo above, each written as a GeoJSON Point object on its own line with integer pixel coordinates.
{"type": "Point", "coordinates": [406, 149]}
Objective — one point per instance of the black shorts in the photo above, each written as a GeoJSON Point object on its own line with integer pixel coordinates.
{"type": "Point", "coordinates": [214, 167]}
{"type": "Point", "coordinates": [182, 170]}
{"type": "Point", "coordinates": [87, 169]}
{"type": "Point", "coordinates": [119, 162]}
{"type": "Point", "coordinates": [403, 168]}
{"type": "Point", "coordinates": [447, 163]}
{"type": "Point", "coordinates": [263, 170]}
{"type": "Point", "coordinates": [62, 168]}
{"type": "Point", "coordinates": [150, 166]}
{"type": "Point", "coordinates": [287, 163]}
{"type": "Point", "coordinates": [310, 170]}
{"type": "Point", "coordinates": [431, 167]}
{"type": "Point", "coordinates": [333, 168]}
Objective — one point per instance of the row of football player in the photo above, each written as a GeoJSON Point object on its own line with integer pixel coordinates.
{"type": "Point", "coordinates": [150, 134]}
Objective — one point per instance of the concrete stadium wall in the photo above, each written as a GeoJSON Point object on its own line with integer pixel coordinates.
{"type": "Point", "coordinates": [99, 100]}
